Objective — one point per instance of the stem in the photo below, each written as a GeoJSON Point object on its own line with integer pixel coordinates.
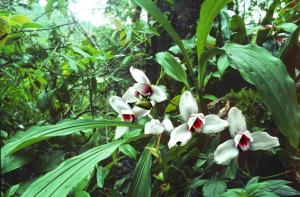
{"type": "Point", "coordinates": [276, 175]}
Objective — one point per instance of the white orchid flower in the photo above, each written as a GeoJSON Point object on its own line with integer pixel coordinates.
{"type": "Point", "coordinates": [126, 113]}
{"type": "Point", "coordinates": [156, 127]}
{"type": "Point", "coordinates": [195, 122]}
{"type": "Point", "coordinates": [143, 87]}
{"type": "Point", "coordinates": [242, 139]}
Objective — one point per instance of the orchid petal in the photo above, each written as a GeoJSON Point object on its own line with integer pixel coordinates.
{"type": "Point", "coordinates": [158, 95]}
{"type": "Point", "coordinates": [118, 104]}
{"type": "Point", "coordinates": [130, 96]}
{"type": "Point", "coordinates": [139, 76]}
{"type": "Point", "coordinates": [180, 134]}
{"type": "Point", "coordinates": [263, 141]}
{"type": "Point", "coordinates": [154, 127]}
{"type": "Point", "coordinates": [225, 152]}
{"type": "Point", "coordinates": [214, 124]}
{"type": "Point", "coordinates": [187, 105]}
{"type": "Point", "coordinates": [142, 88]}
{"type": "Point", "coordinates": [140, 112]}
{"type": "Point", "coordinates": [238, 137]}
{"type": "Point", "coordinates": [168, 125]}
{"type": "Point", "coordinates": [120, 131]}
{"type": "Point", "coordinates": [236, 120]}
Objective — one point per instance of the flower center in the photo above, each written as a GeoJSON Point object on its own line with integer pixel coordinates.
{"type": "Point", "coordinates": [128, 117]}
{"type": "Point", "coordinates": [148, 90]}
{"type": "Point", "coordinates": [244, 143]}
{"type": "Point", "coordinates": [137, 93]}
{"type": "Point", "coordinates": [197, 125]}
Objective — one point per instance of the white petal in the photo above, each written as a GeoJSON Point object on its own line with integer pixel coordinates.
{"type": "Point", "coordinates": [214, 124]}
{"type": "Point", "coordinates": [130, 96]}
{"type": "Point", "coordinates": [158, 95]}
{"type": "Point", "coordinates": [141, 88]}
{"type": "Point", "coordinates": [154, 127]}
{"type": "Point", "coordinates": [187, 105]}
{"type": "Point", "coordinates": [140, 112]}
{"type": "Point", "coordinates": [139, 76]}
{"type": "Point", "coordinates": [237, 139]}
{"type": "Point", "coordinates": [118, 104]}
{"type": "Point", "coordinates": [120, 131]}
{"type": "Point", "coordinates": [168, 125]}
{"type": "Point", "coordinates": [263, 141]}
{"type": "Point", "coordinates": [225, 152]}
{"type": "Point", "coordinates": [180, 134]}
{"type": "Point", "coordinates": [236, 120]}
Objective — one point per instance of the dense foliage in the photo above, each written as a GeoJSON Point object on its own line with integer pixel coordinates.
{"type": "Point", "coordinates": [168, 98]}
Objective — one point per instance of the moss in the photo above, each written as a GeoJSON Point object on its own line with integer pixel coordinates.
{"type": "Point", "coordinates": [249, 101]}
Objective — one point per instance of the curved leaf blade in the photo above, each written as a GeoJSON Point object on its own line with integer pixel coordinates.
{"type": "Point", "coordinates": [208, 12]}
{"type": "Point", "coordinates": [141, 181]}
{"type": "Point", "coordinates": [172, 67]}
{"type": "Point", "coordinates": [37, 134]}
{"type": "Point", "coordinates": [60, 181]}
{"type": "Point", "coordinates": [274, 84]}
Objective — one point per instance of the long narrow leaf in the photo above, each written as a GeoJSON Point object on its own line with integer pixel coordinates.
{"type": "Point", "coordinates": [37, 134]}
{"type": "Point", "coordinates": [63, 179]}
{"type": "Point", "coordinates": [274, 84]}
{"type": "Point", "coordinates": [141, 181]}
{"type": "Point", "coordinates": [208, 12]}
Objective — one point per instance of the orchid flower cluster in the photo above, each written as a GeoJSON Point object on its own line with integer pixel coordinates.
{"type": "Point", "coordinates": [193, 121]}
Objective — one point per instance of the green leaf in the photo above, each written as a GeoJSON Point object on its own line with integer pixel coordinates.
{"type": "Point", "coordinates": [222, 64]}
{"type": "Point", "coordinates": [275, 86]}
{"type": "Point", "coordinates": [232, 168]}
{"type": "Point", "coordinates": [173, 104]}
{"type": "Point", "coordinates": [101, 175]}
{"type": "Point", "coordinates": [152, 9]}
{"type": "Point", "coordinates": [288, 27]}
{"type": "Point", "coordinates": [14, 161]}
{"type": "Point", "coordinates": [141, 180]}
{"type": "Point", "coordinates": [128, 150]}
{"type": "Point", "coordinates": [63, 179]}
{"type": "Point", "coordinates": [172, 67]}
{"type": "Point", "coordinates": [31, 26]}
{"type": "Point", "coordinates": [209, 10]}
{"type": "Point", "coordinates": [214, 188]}
{"type": "Point", "coordinates": [81, 194]}
{"type": "Point", "coordinates": [37, 134]}
{"type": "Point", "coordinates": [81, 52]}
{"type": "Point", "coordinates": [19, 19]}
{"type": "Point", "coordinates": [235, 193]}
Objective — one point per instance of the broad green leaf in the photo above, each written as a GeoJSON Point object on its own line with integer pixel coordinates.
{"type": "Point", "coordinates": [128, 150]}
{"type": "Point", "coordinates": [31, 26]}
{"type": "Point", "coordinates": [141, 180]}
{"type": "Point", "coordinates": [37, 134]}
{"type": "Point", "coordinates": [101, 175]}
{"type": "Point", "coordinates": [209, 10]}
{"type": "Point", "coordinates": [288, 27]}
{"type": "Point", "coordinates": [275, 86]}
{"type": "Point", "coordinates": [172, 67]}
{"type": "Point", "coordinates": [214, 188]}
{"type": "Point", "coordinates": [20, 20]}
{"type": "Point", "coordinates": [14, 161]}
{"type": "Point", "coordinates": [63, 179]}
{"type": "Point", "coordinates": [222, 64]}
